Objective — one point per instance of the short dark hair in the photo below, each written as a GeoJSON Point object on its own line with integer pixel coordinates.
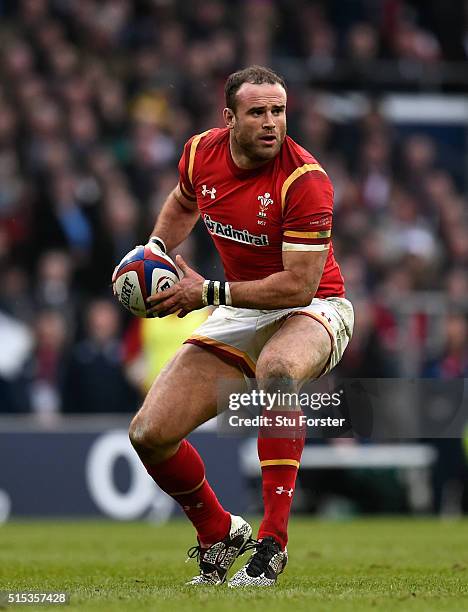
{"type": "Point", "coordinates": [257, 75]}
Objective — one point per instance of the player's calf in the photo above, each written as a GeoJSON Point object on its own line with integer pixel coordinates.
{"type": "Point", "coordinates": [279, 451]}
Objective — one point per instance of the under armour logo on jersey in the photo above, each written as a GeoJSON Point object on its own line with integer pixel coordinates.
{"type": "Point", "coordinates": [212, 191]}
{"type": "Point", "coordinates": [280, 490]}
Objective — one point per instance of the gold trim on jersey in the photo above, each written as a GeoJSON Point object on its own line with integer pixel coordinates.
{"type": "Point", "coordinates": [291, 246]}
{"type": "Point", "coordinates": [269, 462]}
{"type": "Point", "coordinates": [295, 175]}
{"type": "Point", "coordinates": [193, 148]}
{"type": "Point", "coordinates": [185, 192]}
{"type": "Point", "coordinates": [323, 234]}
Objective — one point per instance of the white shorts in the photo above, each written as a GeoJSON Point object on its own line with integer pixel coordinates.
{"type": "Point", "coordinates": [238, 335]}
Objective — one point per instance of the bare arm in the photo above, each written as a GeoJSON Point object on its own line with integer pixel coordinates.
{"type": "Point", "coordinates": [295, 286]}
{"type": "Point", "coordinates": [176, 219]}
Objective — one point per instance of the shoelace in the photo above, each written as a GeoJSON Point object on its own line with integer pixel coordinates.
{"type": "Point", "coordinates": [251, 544]}
{"type": "Point", "coordinates": [194, 553]}
{"type": "Point", "coordinates": [264, 551]}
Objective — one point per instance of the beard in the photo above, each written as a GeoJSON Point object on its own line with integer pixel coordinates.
{"type": "Point", "coordinates": [255, 150]}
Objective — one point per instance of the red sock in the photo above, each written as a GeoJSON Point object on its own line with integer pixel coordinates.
{"type": "Point", "coordinates": [182, 476]}
{"type": "Point", "coordinates": [279, 460]}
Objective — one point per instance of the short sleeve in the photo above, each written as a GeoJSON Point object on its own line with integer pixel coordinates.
{"type": "Point", "coordinates": [307, 213]}
{"type": "Point", "coordinates": [185, 183]}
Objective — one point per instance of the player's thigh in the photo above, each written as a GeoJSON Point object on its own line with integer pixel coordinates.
{"type": "Point", "coordinates": [182, 397]}
{"type": "Point", "coordinates": [300, 350]}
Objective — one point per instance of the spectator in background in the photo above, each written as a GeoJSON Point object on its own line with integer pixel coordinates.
{"type": "Point", "coordinates": [452, 362]}
{"type": "Point", "coordinates": [16, 343]}
{"type": "Point", "coordinates": [15, 295]}
{"type": "Point", "coordinates": [47, 366]}
{"type": "Point", "coordinates": [369, 356]}
{"type": "Point", "coordinates": [53, 286]}
{"type": "Point", "coordinates": [362, 43]}
{"type": "Point", "coordinates": [121, 221]}
{"type": "Point", "coordinates": [73, 225]}
{"type": "Point", "coordinates": [450, 473]}
{"type": "Point", "coordinates": [95, 379]}
{"type": "Point", "coordinates": [456, 287]}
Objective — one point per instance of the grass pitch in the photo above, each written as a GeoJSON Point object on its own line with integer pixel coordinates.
{"type": "Point", "coordinates": [358, 565]}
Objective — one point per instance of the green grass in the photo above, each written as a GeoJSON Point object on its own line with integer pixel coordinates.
{"type": "Point", "coordinates": [358, 565]}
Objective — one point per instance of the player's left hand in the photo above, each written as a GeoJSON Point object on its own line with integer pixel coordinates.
{"type": "Point", "coordinates": [186, 295]}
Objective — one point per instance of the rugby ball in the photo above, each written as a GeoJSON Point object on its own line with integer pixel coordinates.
{"type": "Point", "coordinates": [145, 271]}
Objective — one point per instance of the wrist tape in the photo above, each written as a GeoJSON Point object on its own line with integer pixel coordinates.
{"type": "Point", "coordinates": [159, 242]}
{"type": "Point", "coordinates": [216, 293]}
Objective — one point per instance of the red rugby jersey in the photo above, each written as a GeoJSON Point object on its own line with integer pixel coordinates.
{"type": "Point", "coordinates": [254, 215]}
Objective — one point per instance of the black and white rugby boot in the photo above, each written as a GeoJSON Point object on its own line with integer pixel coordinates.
{"type": "Point", "coordinates": [215, 561]}
{"type": "Point", "coordinates": [263, 567]}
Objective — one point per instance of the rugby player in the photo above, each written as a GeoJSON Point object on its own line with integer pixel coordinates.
{"type": "Point", "coordinates": [281, 316]}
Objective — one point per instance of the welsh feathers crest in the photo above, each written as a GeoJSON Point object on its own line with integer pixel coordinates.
{"type": "Point", "coordinates": [265, 201]}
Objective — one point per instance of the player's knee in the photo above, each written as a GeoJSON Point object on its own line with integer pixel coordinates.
{"type": "Point", "coordinates": [147, 437]}
{"type": "Point", "coordinates": [138, 434]}
{"type": "Point", "coordinates": [282, 369]}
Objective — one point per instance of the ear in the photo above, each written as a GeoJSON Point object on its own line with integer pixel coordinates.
{"type": "Point", "coordinates": [229, 118]}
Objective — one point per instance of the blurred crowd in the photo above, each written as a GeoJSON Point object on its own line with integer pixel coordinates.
{"type": "Point", "coordinates": [96, 101]}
